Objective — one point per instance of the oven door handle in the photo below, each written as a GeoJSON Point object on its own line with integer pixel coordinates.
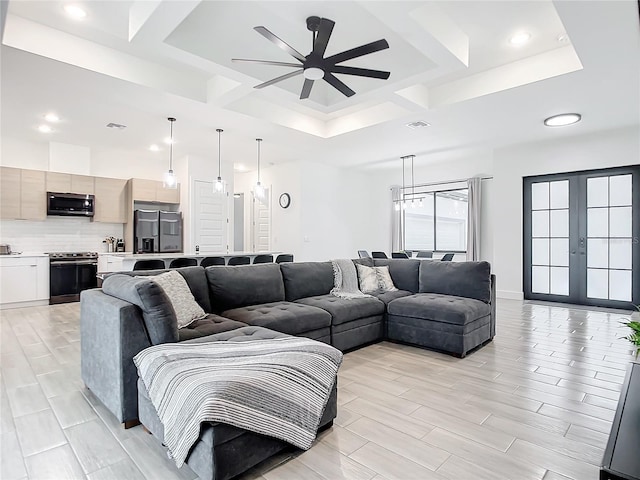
{"type": "Point", "coordinates": [73, 262]}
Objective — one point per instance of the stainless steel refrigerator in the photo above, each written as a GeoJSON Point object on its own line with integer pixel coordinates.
{"type": "Point", "coordinates": [157, 231]}
{"type": "Point", "coordinates": [170, 231]}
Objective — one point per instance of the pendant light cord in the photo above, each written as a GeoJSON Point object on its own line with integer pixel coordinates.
{"type": "Point", "coordinates": [413, 183]}
{"type": "Point", "coordinates": [403, 158]}
{"type": "Point", "coordinates": [219, 130]}
{"type": "Point", "coordinates": [258, 140]}
{"type": "Point", "coordinates": [171, 120]}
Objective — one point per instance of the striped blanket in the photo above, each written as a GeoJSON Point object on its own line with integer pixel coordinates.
{"type": "Point", "coordinates": [277, 387]}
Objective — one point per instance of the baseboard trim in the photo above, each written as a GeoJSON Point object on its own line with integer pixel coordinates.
{"type": "Point", "coordinates": [33, 303]}
{"type": "Point", "coordinates": [509, 295]}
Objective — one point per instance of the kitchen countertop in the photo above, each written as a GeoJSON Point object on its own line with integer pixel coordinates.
{"type": "Point", "coordinates": [24, 255]}
{"type": "Point", "coordinates": [147, 256]}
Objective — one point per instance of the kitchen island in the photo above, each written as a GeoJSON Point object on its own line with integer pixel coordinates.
{"type": "Point", "coordinates": [124, 261]}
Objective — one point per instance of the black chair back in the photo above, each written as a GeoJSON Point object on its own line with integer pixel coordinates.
{"type": "Point", "coordinates": [209, 261]}
{"type": "Point", "coordinates": [239, 261]}
{"type": "Point", "coordinates": [425, 254]}
{"type": "Point", "coordinates": [363, 254]}
{"type": "Point", "coordinates": [285, 257]}
{"type": "Point", "coordinates": [399, 255]}
{"type": "Point", "coordinates": [263, 259]}
{"type": "Point", "coordinates": [183, 262]}
{"type": "Point", "coordinates": [156, 264]}
{"type": "Point", "coordinates": [379, 255]}
{"type": "Point", "coordinates": [447, 257]}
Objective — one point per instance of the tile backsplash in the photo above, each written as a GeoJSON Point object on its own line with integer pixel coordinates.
{"type": "Point", "coordinates": [58, 234]}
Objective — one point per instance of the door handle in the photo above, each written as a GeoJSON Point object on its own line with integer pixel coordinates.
{"type": "Point", "coordinates": [582, 242]}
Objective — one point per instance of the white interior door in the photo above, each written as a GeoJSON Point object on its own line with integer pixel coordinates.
{"type": "Point", "coordinates": [209, 216]}
{"type": "Point", "coordinates": [261, 222]}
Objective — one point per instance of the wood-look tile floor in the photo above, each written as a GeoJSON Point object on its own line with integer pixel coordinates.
{"type": "Point", "coordinates": [536, 403]}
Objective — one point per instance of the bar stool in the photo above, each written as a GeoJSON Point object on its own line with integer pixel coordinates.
{"type": "Point", "coordinates": [183, 262]}
{"type": "Point", "coordinates": [149, 265]}
{"type": "Point", "coordinates": [425, 254]}
{"type": "Point", "coordinates": [209, 261]}
{"type": "Point", "coordinates": [263, 259]}
{"type": "Point", "coordinates": [447, 257]}
{"type": "Point", "coordinates": [399, 255]}
{"type": "Point", "coordinates": [379, 255]}
{"type": "Point", "coordinates": [285, 257]}
{"type": "Point", "coordinates": [363, 254]}
{"type": "Point", "coordinates": [239, 261]}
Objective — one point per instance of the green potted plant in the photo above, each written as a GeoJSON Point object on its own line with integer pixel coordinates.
{"type": "Point", "coordinates": [634, 336]}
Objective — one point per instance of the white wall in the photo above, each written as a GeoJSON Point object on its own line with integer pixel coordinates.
{"type": "Point", "coordinates": [23, 154]}
{"type": "Point", "coordinates": [606, 149]}
{"type": "Point", "coordinates": [67, 158]}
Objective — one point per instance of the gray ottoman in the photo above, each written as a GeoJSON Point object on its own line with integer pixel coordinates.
{"type": "Point", "coordinates": [224, 451]}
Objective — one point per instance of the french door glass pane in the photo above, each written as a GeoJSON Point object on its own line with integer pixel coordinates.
{"type": "Point", "coordinates": [540, 223]}
{"type": "Point", "coordinates": [597, 283]}
{"type": "Point", "coordinates": [597, 252]}
{"type": "Point", "coordinates": [620, 285]}
{"type": "Point", "coordinates": [598, 192]}
{"type": "Point", "coordinates": [620, 222]}
{"type": "Point", "coordinates": [540, 196]}
{"type": "Point", "coordinates": [560, 252]}
{"type": "Point", "coordinates": [559, 281]}
{"type": "Point", "coordinates": [540, 279]}
{"type": "Point", "coordinates": [559, 194]}
{"type": "Point", "coordinates": [540, 251]}
{"type": "Point", "coordinates": [620, 194]}
{"type": "Point", "coordinates": [559, 223]}
{"type": "Point", "coordinates": [620, 253]}
{"type": "Point", "coordinates": [597, 222]}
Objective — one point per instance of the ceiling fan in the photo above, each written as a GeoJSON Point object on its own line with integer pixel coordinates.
{"type": "Point", "coordinates": [315, 66]}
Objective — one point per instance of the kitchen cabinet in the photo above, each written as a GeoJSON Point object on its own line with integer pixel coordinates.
{"type": "Point", "coordinates": [153, 191]}
{"type": "Point", "coordinates": [10, 180]}
{"type": "Point", "coordinates": [167, 195]}
{"type": "Point", "coordinates": [110, 263]}
{"type": "Point", "coordinates": [59, 182]}
{"type": "Point", "coordinates": [82, 184]}
{"type": "Point", "coordinates": [111, 200]}
{"type": "Point", "coordinates": [24, 279]}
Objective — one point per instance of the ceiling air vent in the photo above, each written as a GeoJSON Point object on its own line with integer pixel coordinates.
{"type": "Point", "coordinates": [418, 124]}
{"type": "Point", "coordinates": [116, 125]}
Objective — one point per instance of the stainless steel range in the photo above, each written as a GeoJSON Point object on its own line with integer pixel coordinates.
{"type": "Point", "coordinates": [70, 273]}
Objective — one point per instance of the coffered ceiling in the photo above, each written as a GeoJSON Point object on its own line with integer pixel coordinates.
{"type": "Point", "coordinates": [451, 62]}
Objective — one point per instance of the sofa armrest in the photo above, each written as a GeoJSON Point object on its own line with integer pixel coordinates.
{"type": "Point", "coordinates": [493, 305]}
{"type": "Point", "coordinates": [112, 332]}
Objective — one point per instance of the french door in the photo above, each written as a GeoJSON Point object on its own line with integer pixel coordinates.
{"type": "Point", "coordinates": [582, 237]}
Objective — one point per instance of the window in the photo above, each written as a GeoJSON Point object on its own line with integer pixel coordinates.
{"type": "Point", "coordinates": [439, 222]}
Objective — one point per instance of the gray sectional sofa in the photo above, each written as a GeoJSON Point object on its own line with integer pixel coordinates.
{"type": "Point", "coordinates": [446, 306]}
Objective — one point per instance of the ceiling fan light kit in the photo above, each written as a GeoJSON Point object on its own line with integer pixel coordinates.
{"type": "Point", "coordinates": [316, 66]}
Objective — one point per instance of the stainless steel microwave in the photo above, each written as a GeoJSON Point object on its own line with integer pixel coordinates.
{"type": "Point", "coordinates": [73, 204]}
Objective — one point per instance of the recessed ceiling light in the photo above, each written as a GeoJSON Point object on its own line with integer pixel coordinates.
{"type": "Point", "coordinates": [519, 38]}
{"type": "Point", "coordinates": [239, 167]}
{"type": "Point", "coordinates": [563, 119]}
{"type": "Point", "coordinates": [563, 38]}
{"type": "Point", "coordinates": [154, 148]}
{"type": "Point", "coordinates": [44, 128]}
{"type": "Point", "coordinates": [168, 141]}
{"type": "Point", "coordinates": [418, 124]}
{"type": "Point", "coordinates": [51, 117]}
{"type": "Point", "coordinates": [75, 11]}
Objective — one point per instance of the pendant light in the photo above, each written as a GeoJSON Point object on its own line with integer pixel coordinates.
{"type": "Point", "coordinates": [413, 185]}
{"type": "Point", "coordinates": [258, 189]}
{"type": "Point", "coordinates": [170, 180]}
{"type": "Point", "coordinates": [404, 198]}
{"type": "Point", "coordinates": [219, 186]}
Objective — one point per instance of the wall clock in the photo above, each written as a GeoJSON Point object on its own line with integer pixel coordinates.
{"type": "Point", "coordinates": [284, 200]}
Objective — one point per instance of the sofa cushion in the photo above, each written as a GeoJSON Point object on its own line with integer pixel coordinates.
{"type": "Point", "coordinates": [285, 317]}
{"type": "Point", "coordinates": [209, 325]}
{"type": "Point", "coordinates": [441, 308]}
{"type": "Point", "coordinates": [345, 310]}
{"type": "Point", "coordinates": [195, 277]}
{"type": "Point", "coordinates": [158, 315]}
{"type": "Point", "coordinates": [462, 279]}
{"type": "Point", "coordinates": [387, 297]}
{"type": "Point", "coordinates": [238, 286]}
{"type": "Point", "coordinates": [306, 279]}
{"type": "Point", "coordinates": [367, 261]}
{"type": "Point", "coordinates": [404, 272]}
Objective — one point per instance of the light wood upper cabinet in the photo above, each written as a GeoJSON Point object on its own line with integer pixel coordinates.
{"type": "Point", "coordinates": [143, 190]}
{"type": "Point", "coordinates": [82, 184]}
{"type": "Point", "coordinates": [167, 195]}
{"type": "Point", "coordinates": [33, 199]}
{"type": "Point", "coordinates": [9, 192]}
{"type": "Point", "coordinates": [59, 182]}
{"type": "Point", "coordinates": [111, 200]}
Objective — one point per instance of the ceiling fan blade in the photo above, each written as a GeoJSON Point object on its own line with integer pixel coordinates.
{"type": "Point", "coordinates": [279, 79]}
{"type": "Point", "coordinates": [358, 51]}
{"type": "Point", "coordinates": [362, 72]}
{"type": "Point", "coordinates": [306, 89]}
{"type": "Point", "coordinates": [280, 43]}
{"type": "Point", "coordinates": [341, 86]}
{"type": "Point", "coordinates": [265, 62]}
{"type": "Point", "coordinates": [322, 39]}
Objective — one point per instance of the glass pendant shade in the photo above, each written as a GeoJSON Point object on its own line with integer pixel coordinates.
{"type": "Point", "coordinates": [219, 186]}
{"type": "Point", "coordinates": [170, 180]}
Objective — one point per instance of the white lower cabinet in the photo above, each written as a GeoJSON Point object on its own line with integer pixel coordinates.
{"type": "Point", "coordinates": [23, 281]}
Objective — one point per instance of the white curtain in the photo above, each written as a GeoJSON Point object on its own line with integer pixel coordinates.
{"type": "Point", "coordinates": [397, 221]}
{"type": "Point", "coordinates": [473, 232]}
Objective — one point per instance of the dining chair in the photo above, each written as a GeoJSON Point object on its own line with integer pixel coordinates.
{"type": "Point", "coordinates": [156, 264]}
{"type": "Point", "coordinates": [183, 262]}
{"type": "Point", "coordinates": [239, 261]}
{"type": "Point", "coordinates": [379, 255]}
{"type": "Point", "coordinates": [211, 261]}
{"type": "Point", "coordinates": [363, 254]}
{"type": "Point", "coordinates": [399, 255]}
{"type": "Point", "coordinates": [285, 257]}
{"type": "Point", "coordinates": [425, 254]}
{"type": "Point", "coordinates": [447, 257]}
{"type": "Point", "coordinates": [263, 259]}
